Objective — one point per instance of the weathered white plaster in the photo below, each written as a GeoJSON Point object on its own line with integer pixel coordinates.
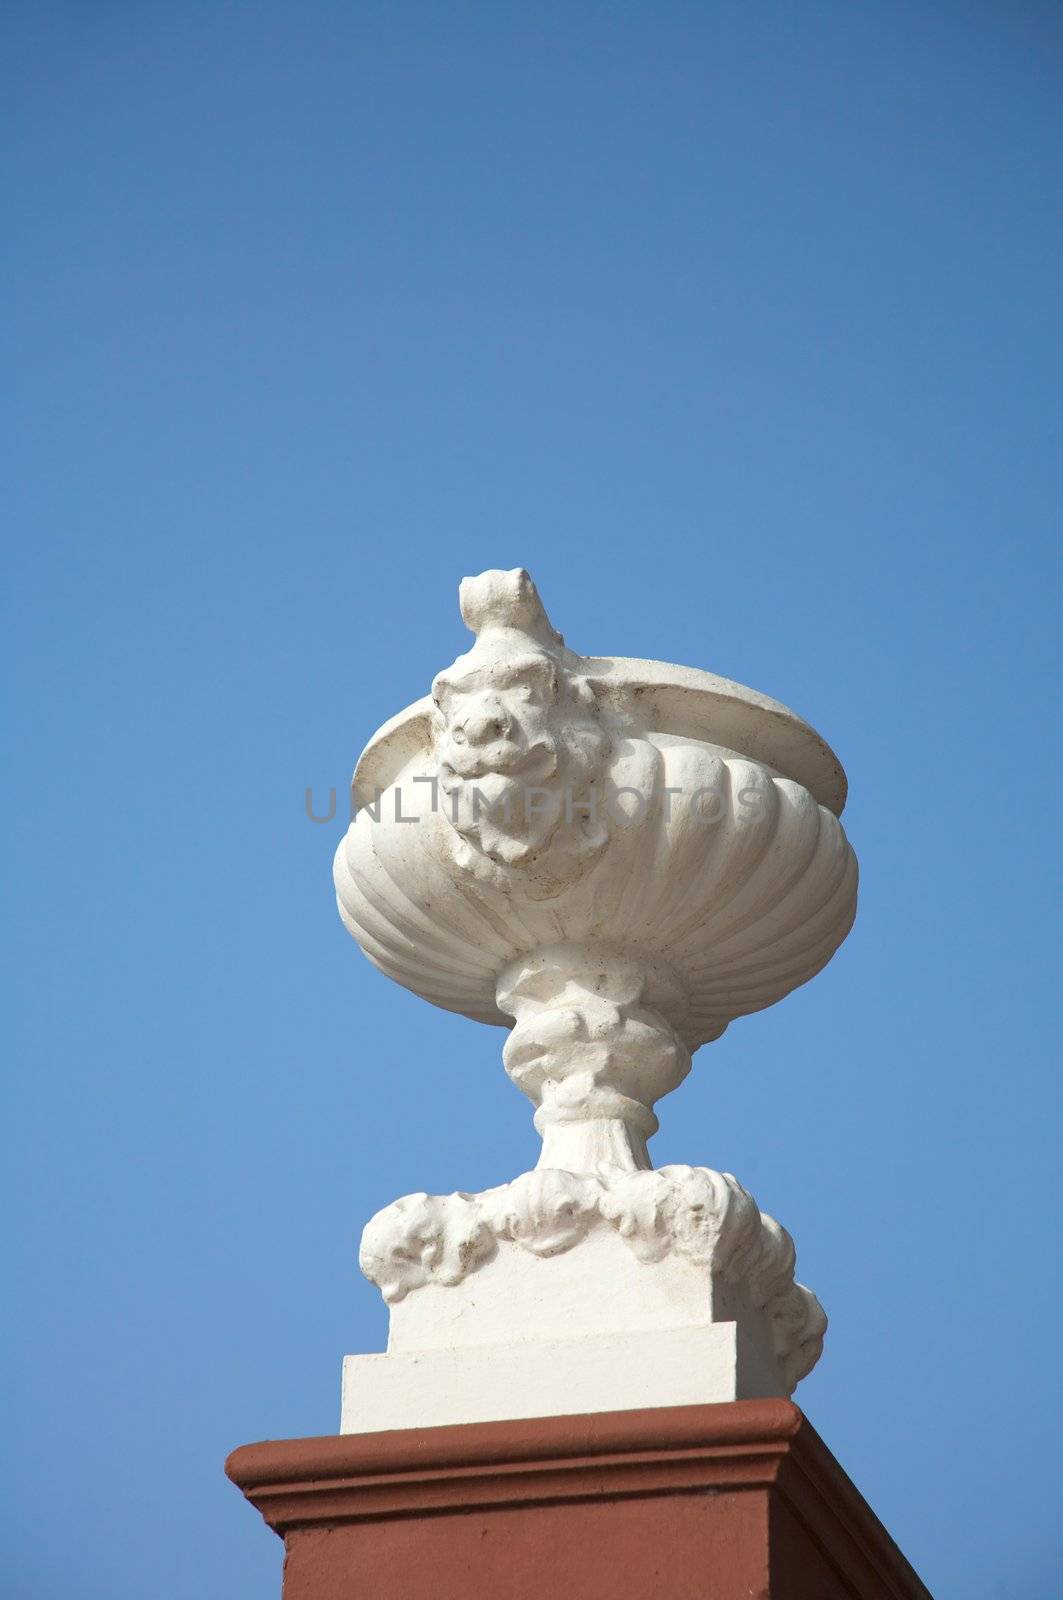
{"type": "Point", "coordinates": [614, 859]}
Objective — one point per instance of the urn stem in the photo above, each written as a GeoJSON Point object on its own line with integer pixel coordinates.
{"type": "Point", "coordinates": [593, 1052]}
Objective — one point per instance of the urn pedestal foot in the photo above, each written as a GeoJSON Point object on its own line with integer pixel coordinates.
{"type": "Point", "coordinates": [624, 1288]}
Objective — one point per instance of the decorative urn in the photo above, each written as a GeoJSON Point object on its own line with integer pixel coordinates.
{"type": "Point", "coordinates": [613, 859]}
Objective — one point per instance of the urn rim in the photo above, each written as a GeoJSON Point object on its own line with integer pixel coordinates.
{"type": "Point", "coordinates": [686, 702]}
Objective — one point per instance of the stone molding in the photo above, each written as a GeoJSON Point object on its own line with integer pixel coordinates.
{"type": "Point", "coordinates": [806, 1530]}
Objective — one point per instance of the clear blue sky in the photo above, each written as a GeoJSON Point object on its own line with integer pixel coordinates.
{"type": "Point", "coordinates": [739, 326]}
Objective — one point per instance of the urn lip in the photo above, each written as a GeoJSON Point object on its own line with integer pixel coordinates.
{"type": "Point", "coordinates": [682, 701]}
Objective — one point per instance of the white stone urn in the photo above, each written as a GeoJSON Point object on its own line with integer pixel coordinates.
{"type": "Point", "coordinates": [614, 859]}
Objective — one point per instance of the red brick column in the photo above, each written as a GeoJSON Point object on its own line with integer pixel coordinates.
{"type": "Point", "coordinates": [723, 1502]}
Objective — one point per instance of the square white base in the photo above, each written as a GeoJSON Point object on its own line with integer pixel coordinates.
{"type": "Point", "coordinates": [557, 1377]}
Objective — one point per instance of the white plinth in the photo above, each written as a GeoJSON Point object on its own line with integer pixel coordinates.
{"type": "Point", "coordinates": [562, 1293]}
{"type": "Point", "coordinates": [559, 1377]}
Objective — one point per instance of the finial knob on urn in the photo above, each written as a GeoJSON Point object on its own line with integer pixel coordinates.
{"type": "Point", "coordinates": [510, 600]}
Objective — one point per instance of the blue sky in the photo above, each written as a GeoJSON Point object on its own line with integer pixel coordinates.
{"type": "Point", "coordinates": [739, 326]}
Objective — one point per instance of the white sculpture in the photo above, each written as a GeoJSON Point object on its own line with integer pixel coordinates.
{"type": "Point", "coordinates": [615, 858]}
